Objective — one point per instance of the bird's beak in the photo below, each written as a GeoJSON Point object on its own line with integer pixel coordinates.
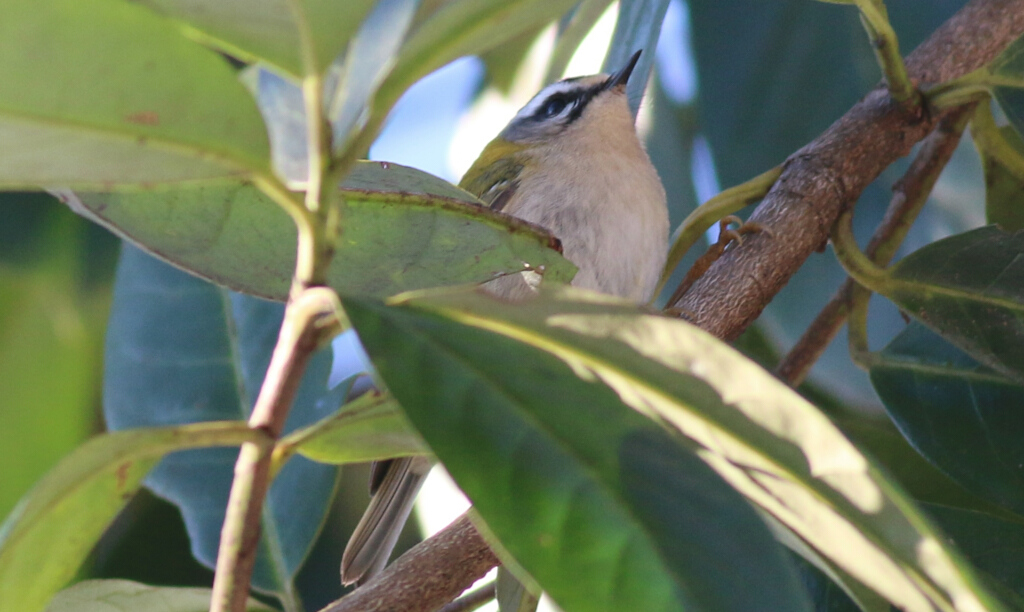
{"type": "Point", "coordinates": [622, 76]}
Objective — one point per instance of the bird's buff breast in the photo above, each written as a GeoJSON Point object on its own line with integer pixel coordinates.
{"type": "Point", "coordinates": [613, 224]}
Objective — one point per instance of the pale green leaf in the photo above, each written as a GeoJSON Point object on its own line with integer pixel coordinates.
{"type": "Point", "coordinates": [84, 103]}
{"type": "Point", "coordinates": [128, 596]}
{"type": "Point", "coordinates": [47, 536]}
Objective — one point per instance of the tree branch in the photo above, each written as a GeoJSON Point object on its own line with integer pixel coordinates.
{"type": "Point", "coordinates": [313, 316]}
{"type": "Point", "coordinates": [818, 183]}
{"type": "Point", "coordinates": [909, 196]}
{"type": "Point", "coordinates": [828, 175]}
{"type": "Point", "coordinates": [431, 574]}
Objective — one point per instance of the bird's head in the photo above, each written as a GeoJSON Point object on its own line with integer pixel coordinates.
{"type": "Point", "coordinates": [576, 105]}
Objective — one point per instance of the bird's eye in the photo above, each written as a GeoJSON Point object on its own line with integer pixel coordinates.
{"type": "Point", "coordinates": [553, 106]}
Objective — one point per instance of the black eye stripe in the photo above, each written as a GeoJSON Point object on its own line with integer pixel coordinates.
{"type": "Point", "coordinates": [575, 100]}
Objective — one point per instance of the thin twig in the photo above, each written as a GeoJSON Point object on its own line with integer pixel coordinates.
{"type": "Point", "coordinates": [309, 320]}
{"type": "Point", "coordinates": [909, 195]}
{"type": "Point", "coordinates": [825, 177]}
{"type": "Point", "coordinates": [430, 575]}
{"type": "Point", "coordinates": [887, 52]}
{"type": "Point", "coordinates": [473, 600]}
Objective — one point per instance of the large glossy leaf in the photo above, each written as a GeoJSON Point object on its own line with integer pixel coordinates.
{"type": "Point", "coordinates": [48, 535]}
{"type": "Point", "coordinates": [963, 417]}
{"type": "Point", "coordinates": [584, 492]}
{"type": "Point", "coordinates": [127, 596]}
{"type": "Point", "coordinates": [970, 289]}
{"type": "Point", "coordinates": [404, 229]}
{"type": "Point", "coordinates": [272, 30]}
{"type": "Point", "coordinates": [82, 102]}
{"type": "Point", "coordinates": [993, 543]}
{"type": "Point", "coordinates": [638, 27]}
{"type": "Point", "coordinates": [767, 441]}
{"type": "Point", "coordinates": [180, 350]}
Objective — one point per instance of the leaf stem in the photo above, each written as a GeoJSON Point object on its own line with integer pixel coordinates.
{"type": "Point", "coordinates": [707, 214]}
{"type": "Point", "coordinates": [310, 319]}
{"type": "Point", "coordinates": [910, 194]}
{"type": "Point", "coordinates": [887, 51]}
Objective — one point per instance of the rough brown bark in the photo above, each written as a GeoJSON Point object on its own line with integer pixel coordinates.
{"type": "Point", "coordinates": [825, 177]}
{"type": "Point", "coordinates": [430, 575]}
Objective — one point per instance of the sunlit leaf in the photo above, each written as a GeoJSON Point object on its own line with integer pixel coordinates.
{"type": "Point", "coordinates": [272, 30]}
{"type": "Point", "coordinates": [127, 596]}
{"type": "Point", "coordinates": [83, 103]}
{"type": "Point", "coordinates": [180, 350]}
{"type": "Point", "coordinates": [370, 428]}
{"type": "Point", "coordinates": [764, 439]}
{"type": "Point", "coordinates": [67, 511]}
{"type": "Point", "coordinates": [404, 229]}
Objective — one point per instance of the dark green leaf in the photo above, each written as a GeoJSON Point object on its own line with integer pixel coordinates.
{"type": "Point", "coordinates": [83, 103]}
{"type": "Point", "coordinates": [127, 596]}
{"type": "Point", "coordinates": [272, 30]}
{"type": "Point", "coordinates": [970, 289]}
{"type": "Point", "coordinates": [768, 442]}
{"type": "Point", "coordinates": [584, 492]}
{"type": "Point", "coordinates": [180, 350]}
{"type": "Point", "coordinates": [67, 511]}
{"type": "Point", "coordinates": [403, 229]}
{"type": "Point", "coordinates": [963, 417]}
{"type": "Point", "coordinates": [993, 544]}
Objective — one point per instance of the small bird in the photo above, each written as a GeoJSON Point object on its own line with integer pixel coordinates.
{"type": "Point", "coordinates": [569, 161]}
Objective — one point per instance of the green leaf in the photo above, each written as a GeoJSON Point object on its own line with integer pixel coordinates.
{"type": "Point", "coordinates": [367, 429]}
{"type": "Point", "coordinates": [51, 329]}
{"type": "Point", "coordinates": [404, 229]}
{"type": "Point", "coordinates": [128, 596]}
{"type": "Point", "coordinates": [466, 27]}
{"type": "Point", "coordinates": [83, 103]}
{"type": "Point", "coordinates": [970, 289]}
{"type": "Point", "coordinates": [1002, 156]}
{"type": "Point", "coordinates": [1010, 63]}
{"type": "Point", "coordinates": [960, 415]}
{"type": "Point", "coordinates": [68, 510]}
{"type": "Point", "coordinates": [763, 438]}
{"type": "Point", "coordinates": [180, 350]}
{"type": "Point", "coordinates": [372, 55]}
{"type": "Point", "coordinates": [638, 27]}
{"type": "Point", "coordinates": [274, 31]}
{"type": "Point", "coordinates": [585, 493]}
{"type": "Point", "coordinates": [994, 544]}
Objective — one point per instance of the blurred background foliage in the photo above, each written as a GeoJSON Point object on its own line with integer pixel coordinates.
{"type": "Point", "coordinates": [737, 86]}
